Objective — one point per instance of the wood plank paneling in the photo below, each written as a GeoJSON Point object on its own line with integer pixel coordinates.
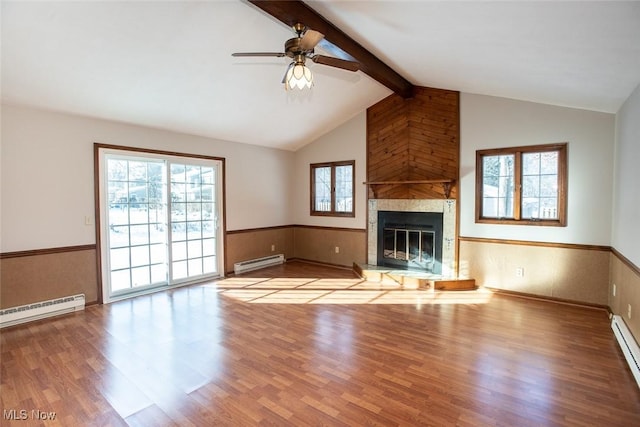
{"type": "Point", "coordinates": [40, 275]}
{"type": "Point", "coordinates": [243, 245]}
{"type": "Point", "coordinates": [413, 139]}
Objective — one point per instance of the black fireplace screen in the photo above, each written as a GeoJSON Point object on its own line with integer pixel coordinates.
{"type": "Point", "coordinates": [410, 240]}
{"type": "Point", "coordinates": [415, 247]}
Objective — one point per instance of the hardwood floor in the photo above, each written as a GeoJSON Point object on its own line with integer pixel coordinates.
{"type": "Point", "coordinates": [315, 346]}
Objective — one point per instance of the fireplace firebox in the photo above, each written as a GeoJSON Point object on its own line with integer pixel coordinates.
{"type": "Point", "coordinates": [410, 240]}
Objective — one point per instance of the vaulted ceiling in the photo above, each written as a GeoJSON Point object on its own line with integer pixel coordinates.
{"type": "Point", "coordinates": [168, 65]}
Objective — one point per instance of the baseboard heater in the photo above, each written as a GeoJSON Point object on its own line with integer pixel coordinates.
{"type": "Point", "coordinates": [254, 264]}
{"type": "Point", "coordinates": [628, 345]}
{"type": "Point", "coordinates": [40, 310]}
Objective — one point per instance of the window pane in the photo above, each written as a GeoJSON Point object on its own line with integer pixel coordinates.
{"type": "Point", "coordinates": [530, 207]}
{"type": "Point", "coordinates": [322, 185]}
{"type": "Point", "coordinates": [178, 231]}
{"type": "Point", "coordinates": [158, 254]}
{"type": "Point", "coordinates": [549, 163]}
{"type": "Point", "coordinates": [139, 255]}
{"type": "Point", "coordinates": [540, 185]}
{"type": "Point", "coordinates": [531, 186]}
{"type": "Point", "coordinates": [531, 164]}
{"type": "Point", "coordinates": [194, 211]}
{"type": "Point", "coordinates": [208, 247]}
{"type": "Point", "coordinates": [549, 186]}
{"type": "Point", "coordinates": [194, 248]}
{"type": "Point", "coordinates": [209, 264]}
{"type": "Point", "coordinates": [139, 234]}
{"type": "Point", "coordinates": [140, 276]}
{"type": "Point", "coordinates": [208, 229]}
{"type": "Point", "coordinates": [195, 267]}
{"type": "Point", "coordinates": [156, 232]}
{"type": "Point", "coordinates": [177, 173]}
{"type": "Point", "coordinates": [179, 270]}
{"type": "Point", "coordinates": [208, 176]}
{"type": "Point", "coordinates": [118, 170]}
{"type": "Point", "coordinates": [158, 273]}
{"type": "Point", "coordinates": [118, 236]}
{"type": "Point", "coordinates": [194, 230]}
{"type": "Point", "coordinates": [207, 192]}
{"type": "Point", "coordinates": [549, 209]}
{"type": "Point", "coordinates": [505, 207]}
{"type": "Point", "coordinates": [119, 258]}
{"type": "Point", "coordinates": [120, 280]}
{"type": "Point", "coordinates": [344, 188]}
{"type": "Point", "coordinates": [498, 186]}
{"type": "Point", "coordinates": [179, 250]}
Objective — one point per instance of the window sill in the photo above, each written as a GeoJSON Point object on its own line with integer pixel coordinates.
{"type": "Point", "coordinates": [534, 222]}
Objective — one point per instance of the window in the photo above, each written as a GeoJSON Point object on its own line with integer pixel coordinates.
{"type": "Point", "coordinates": [522, 185]}
{"type": "Point", "coordinates": [159, 220]}
{"type": "Point", "coordinates": [332, 188]}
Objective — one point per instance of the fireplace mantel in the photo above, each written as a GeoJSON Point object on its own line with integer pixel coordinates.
{"type": "Point", "coordinates": [446, 184]}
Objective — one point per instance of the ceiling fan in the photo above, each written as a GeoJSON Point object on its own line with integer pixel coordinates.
{"type": "Point", "coordinates": [299, 48]}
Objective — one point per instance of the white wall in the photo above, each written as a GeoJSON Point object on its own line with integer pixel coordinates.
{"type": "Point", "coordinates": [47, 176]}
{"type": "Point", "coordinates": [490, 122]}
{"type": "Point", "coordinates": [347, 142]}
{"type": "Point", "coordinates": [626, 199]}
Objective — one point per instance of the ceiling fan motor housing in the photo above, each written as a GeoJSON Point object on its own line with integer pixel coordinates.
{"type": "Point", "coordinates": [292, 47]}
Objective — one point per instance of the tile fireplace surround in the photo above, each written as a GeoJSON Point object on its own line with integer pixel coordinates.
{"type": "Point", "coordinates": [448, 209]}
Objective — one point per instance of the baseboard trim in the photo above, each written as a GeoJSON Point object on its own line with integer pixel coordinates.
{"type": "Point", "coordinates": [324, 264]}
{"type": "Point", "coordinates": [306, 261]}
{"type": "Point", "coordinates": [551, 299]}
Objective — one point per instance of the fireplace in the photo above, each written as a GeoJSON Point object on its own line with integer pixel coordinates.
{"type": "Point", "coordinates": [420, 235]}
{"type": "Point", "coordinates": [410, 240]}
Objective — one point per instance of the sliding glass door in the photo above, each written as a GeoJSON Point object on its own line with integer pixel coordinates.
{"type": "Point", "coordinates": [160, 221]}
{"type": "Point", "coordinates": [193, 221]}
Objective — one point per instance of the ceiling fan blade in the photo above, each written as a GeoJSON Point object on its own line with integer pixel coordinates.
{"type": "Point", "coordinates": [310, 39]}
{"type": "Point", "coordinates": [276, 54]}
{"type": "Point", "coordinates": [336, 62]}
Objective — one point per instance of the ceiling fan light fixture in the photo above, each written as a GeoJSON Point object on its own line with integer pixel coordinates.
{"type": "Point", "coordinates": [298, 76]}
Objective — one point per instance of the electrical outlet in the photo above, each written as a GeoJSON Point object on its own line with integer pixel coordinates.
{"type": "Point", "coordinates": [614, 289]}
{"type": "Point", "coordinates": [519, 272]}
{"type": "Point", "coordinates": [629, 311]}
{"type": "Point", "coordinates": [337, 249]}
{"type": "Point", "coordinates": [273, 248]}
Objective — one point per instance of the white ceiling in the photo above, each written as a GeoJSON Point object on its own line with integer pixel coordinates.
{"type": "Point", "coordinates": [168, 65]}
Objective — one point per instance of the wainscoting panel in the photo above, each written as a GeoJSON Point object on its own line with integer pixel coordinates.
{"type": "Point", "coordinates": [33, 276]}
{"type": "Point", "coordinates": [249, 244]}
{"type": "Point", "coordinates": [577, 273]}
{"type": "Point", "coordinates": [626, 276]}
{"type": "Point", "coordinates": [319, 244]}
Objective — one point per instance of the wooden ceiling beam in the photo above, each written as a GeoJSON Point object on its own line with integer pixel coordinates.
{"type": "Point", "coordinates": [291, 12]}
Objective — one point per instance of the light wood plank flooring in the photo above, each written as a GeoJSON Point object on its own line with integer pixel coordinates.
{"type": "Point", "coordinates": [302, 344]}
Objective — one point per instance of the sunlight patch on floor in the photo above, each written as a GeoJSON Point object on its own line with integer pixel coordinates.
{"type": "Point", "coordinates": [283, 290]}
